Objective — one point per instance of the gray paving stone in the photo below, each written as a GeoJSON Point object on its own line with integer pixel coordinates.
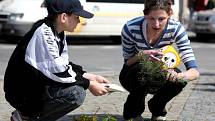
{"type": "Point", "coordinates": [195, 103]}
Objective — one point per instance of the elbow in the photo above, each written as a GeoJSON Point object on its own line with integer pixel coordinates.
{"type": "Point", "coordinates": [196, 74]}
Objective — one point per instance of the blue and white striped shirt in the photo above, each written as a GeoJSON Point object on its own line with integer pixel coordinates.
{"type": "Point", "coordinates": [134, 33]}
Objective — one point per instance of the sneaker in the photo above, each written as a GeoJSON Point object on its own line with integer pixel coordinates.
{"type": "Point", "coordinates": [16, 116]}
{"type": "Point", "coordinates": [158, 118]}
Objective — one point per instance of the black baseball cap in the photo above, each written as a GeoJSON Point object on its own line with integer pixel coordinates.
{"type": "Point", "coordinates": [66, 6]}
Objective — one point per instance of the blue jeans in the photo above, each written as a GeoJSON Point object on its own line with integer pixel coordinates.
{"type": "Point", "coordinates": [59, 101]}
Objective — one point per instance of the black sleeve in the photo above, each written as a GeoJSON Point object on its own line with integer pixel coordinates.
{"type": "Point", "coordinates": [77, 68]}
{"type": "Point", "coordinates": [81, 81]}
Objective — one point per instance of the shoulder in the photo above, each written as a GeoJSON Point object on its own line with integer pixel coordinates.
{"type": "Point", "coordinates": [45, 31]}
{"type": "Point", "coordinates": [135, 21]}
{"type": "Point", "coordinates": [134, 24]}
{"type": "Point", "coordinates": [174, 22]}
{"type": "Point", "coordinates": [175, 25]}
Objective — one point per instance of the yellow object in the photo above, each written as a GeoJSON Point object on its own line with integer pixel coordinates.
{"type": "Point", "coordinates": [171, 57]}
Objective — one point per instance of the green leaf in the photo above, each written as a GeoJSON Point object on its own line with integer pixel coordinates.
{"type": "Point", "coordinates": [109, 118]}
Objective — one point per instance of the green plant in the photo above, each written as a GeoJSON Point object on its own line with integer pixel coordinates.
{"type": "Point", "coordinates": [109, 118]}
{"type": "Point", "coordinates": [153, 74]}
{"type": "Point", "coordinates": [87, 118]}
{"type": "Point", "coordinates": [94, 117]}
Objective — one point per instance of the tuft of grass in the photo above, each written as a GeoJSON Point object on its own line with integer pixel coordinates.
{"type": "Point", "coordinates": [107, 117]}
{"type": "Point", "coordinates": [87, 118]}
{"type": "Point", "coordinates": [153, 74]}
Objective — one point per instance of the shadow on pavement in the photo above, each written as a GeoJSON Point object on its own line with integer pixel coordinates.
{"type": "Point", "coordinates": [10, 39]}
{"type": "Point", "coordinates": [75, 40]}
{"type": "Point", "coordinates": [205, 40]}
{"type": "Point", "coordinates": [208, 87]}
{"type": "Point", "coordinates": [93, 40]}
{"type": "Point", "coordinates": [207, 84]}
{"type": "Point", "coordinates": [206, 90]}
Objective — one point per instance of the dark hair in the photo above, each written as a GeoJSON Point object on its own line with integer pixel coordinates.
{"type": "Point", "coordinates": [158, 5]}
{"type": "Point", "coordinates": [53, 17]}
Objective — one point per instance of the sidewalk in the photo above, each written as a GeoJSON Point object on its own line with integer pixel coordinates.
{"type": "Point", "coordinates": [195, 103]}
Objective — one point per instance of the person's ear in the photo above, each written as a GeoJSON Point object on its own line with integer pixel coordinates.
{"type": "Point", "coordinates": [63, 17]}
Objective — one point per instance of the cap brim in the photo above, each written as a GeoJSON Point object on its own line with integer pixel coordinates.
{"type": "Point", "coordinates": [84, 14]}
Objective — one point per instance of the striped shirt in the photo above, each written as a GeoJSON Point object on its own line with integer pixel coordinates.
{"type": "Point", "coordinates": [134, 39]}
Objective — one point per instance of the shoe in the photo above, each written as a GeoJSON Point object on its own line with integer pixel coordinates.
{"type": "Point", "coordinates": [64, 118]}
{"type": "Point", "coordinates": [16, 116]}
{"type": "Point", "coordinates": [158, 118]}
{"type": "Point", "coordinates": [138, 118]}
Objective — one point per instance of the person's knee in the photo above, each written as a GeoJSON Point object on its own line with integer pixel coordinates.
{"type": "Point", "coordinates": [177, 87]}
{"type": "Point", "coordinates": [81, 96]}
{"type": "Point", "coordinates": [76, 96]}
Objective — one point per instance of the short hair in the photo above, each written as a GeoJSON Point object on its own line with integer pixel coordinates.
{"type": "Point", "coordinates": [158, 5]}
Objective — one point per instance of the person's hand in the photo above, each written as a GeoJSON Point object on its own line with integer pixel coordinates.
{"type": "Point", "coordinates": [154, 55]}
{"type": "Point", "coordinates": [172, 75]}
{"type": "Point", "coordinates": [94, 77]}
{"type": "Point", "coordinates": [101, 79]}
{"type": "Point", "coordinates": [97, 89]}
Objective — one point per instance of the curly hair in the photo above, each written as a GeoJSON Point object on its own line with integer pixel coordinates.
{"type": "Point", "coordinates": [158, 5]}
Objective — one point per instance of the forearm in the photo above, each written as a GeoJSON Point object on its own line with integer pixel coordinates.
{"type": "Point", "coordinates": [88, 76]}
{"type": "Point", "coordinates": [132, 60]}
{"type": "Point", "coordinates": [95, 77]}
{"type": "Point", "coordinates": [190, 75]}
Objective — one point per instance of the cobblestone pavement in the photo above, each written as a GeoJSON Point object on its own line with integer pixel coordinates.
{"type": "Point", "coordinates": [195, 103]}
{"type": "Point", "coordinates": [200, 106]}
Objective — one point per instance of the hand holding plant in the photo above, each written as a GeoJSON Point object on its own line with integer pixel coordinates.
{"type": "Point", "coordinates": [153, 74]}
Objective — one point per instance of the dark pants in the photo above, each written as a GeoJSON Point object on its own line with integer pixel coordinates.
{"type": "Point", "coordinates": [59, 101]}
{"type": "Point", "coordinates": [135, 103]}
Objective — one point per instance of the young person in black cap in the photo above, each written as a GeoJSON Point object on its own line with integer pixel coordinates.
{"type": "Point", "coordinates": [40, 82]}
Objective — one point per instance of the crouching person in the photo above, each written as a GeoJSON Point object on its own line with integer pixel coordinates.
{"type": "Point", "coordinates": [40, 82]}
